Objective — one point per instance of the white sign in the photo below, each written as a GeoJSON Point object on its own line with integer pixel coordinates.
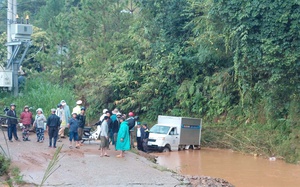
{"type": "Point", "coordinates": [6, 78]}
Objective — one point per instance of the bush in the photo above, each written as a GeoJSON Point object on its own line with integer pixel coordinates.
{"type": "Point", "coordinates": [4, 164]}
{"type": "Point", "coordinates": [41, 93]}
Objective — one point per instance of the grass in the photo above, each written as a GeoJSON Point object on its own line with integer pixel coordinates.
{"type": "Point", "coordinates": [39, 93]}
{"type": "Point", "coordinates": [52, 166]}
{"type": "Point", "coordinates": [1, 148]}
{"type": "Point", "coordinates": [17, 177]}
{"type": "Point", "coordinates": [13, 174]}
{"type": "Point", "coordinates": [4, 164]}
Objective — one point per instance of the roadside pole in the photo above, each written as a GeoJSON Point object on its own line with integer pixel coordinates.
{"type": "Point", "coordinates": [9, 22]}
{"type": "Point", "coordinates": [18, 36]}
{"type": "Point", "coordinates": [15, 66]}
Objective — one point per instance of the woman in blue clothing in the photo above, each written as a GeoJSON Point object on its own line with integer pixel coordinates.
{"type": "Point", "coordinates": [123, 140]}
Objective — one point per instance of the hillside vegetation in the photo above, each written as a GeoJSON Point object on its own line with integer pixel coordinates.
{"type": "Point", "coordinates": [234, 63]}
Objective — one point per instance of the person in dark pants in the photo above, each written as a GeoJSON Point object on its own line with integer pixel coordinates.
{"type": "Point", "coordinates": [115, 126]}
{"type": "Point", "coordinates": [81, 123]}
{"type": "Point", "coordinates": [131, 124]}
{"type": "Point", "coordinates": [138, 136]}
{"type": "Point", "coordinates": [110, 132]}
{"type": "Point", "coordinates": [12, 122]}
{"type": "Point", "coordinates": [73, 132]}
{"type": "Point", "coordinates": [53, 124]}
{"type": "Point", "coordinates": [145, 136]}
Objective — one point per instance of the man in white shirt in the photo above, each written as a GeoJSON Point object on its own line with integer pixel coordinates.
{"type": "Point", "coordinates": [138, 137]}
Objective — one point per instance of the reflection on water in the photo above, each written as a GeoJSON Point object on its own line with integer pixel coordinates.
{"type": "Point", "coordinates": [240, 170]}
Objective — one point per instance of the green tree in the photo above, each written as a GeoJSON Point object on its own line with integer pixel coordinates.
{"type": "Point", "coordinates": [265, 45]}
{"type": "Point", "coordinates": [48, 11]}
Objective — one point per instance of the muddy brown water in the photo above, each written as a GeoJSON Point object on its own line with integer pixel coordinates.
{"type": "Point", "coordinates": [240, 170]}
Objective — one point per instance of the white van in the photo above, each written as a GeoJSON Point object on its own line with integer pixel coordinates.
{"type": "Point", "coordinates": [175, 133]}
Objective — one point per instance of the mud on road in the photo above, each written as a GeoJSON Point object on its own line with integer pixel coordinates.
{"type": "Point", "coordinates": [85, 167]}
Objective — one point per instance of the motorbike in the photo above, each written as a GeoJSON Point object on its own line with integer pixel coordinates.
{"type": "Point", "coordinates": [3, 118]}
{"type": "Point", "coordinates": [89, 135]}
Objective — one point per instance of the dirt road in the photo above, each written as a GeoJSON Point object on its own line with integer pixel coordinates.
{"type": "Point", "coordinates": [84, 166]}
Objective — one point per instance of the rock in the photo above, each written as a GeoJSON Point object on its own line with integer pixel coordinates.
{"type": "Point", "coordinates": [205, 181]}
{"type": "Point", "coordinates": [186, 181]}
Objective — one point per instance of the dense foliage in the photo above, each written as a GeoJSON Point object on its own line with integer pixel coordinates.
{"type": "Point", "coordinates": [235, 63]}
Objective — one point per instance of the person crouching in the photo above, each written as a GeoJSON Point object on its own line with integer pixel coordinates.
{"type": "Point", "coordinates": [73, 131]}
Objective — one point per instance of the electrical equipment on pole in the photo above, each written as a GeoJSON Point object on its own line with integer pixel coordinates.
{"type": "Point", "coordinates": [18, 37]}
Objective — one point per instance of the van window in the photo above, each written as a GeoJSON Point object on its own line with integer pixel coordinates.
{"type": "Point", "coordinates": [173, 131]}
{"type": "Point", "coordinates": [159, 129]}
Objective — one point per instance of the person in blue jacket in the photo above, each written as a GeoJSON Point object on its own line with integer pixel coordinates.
{"type": "Point", "coordinates": [123, 139]}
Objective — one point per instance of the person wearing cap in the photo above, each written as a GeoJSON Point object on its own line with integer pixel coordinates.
{"type": "Point", "coordinates": [39, 121]}
{"type": "Point", "coordinates": [81, 123]}
{"type": "Point", "coordinates": [123, 141]}
{"type": "Point", "coordinates": [103, 114]}
{"type": "Point", "coordinates": [73, 131]}
{"type": "Point", "coordinates": [77, 108]}
{"type": "Point", "coordinates": [26, 119]}
{"type": "Point", "coordinates": [53, 124]}
{"type": "Point", "coordinates": [12, 121]}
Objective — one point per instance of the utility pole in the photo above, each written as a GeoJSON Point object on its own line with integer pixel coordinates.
{"type": "Point", "coordinates": [18, 35]}
{"type": "Point", "coordinates": [9, 22]}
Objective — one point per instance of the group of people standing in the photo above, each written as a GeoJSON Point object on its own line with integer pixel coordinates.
{"type": "Point", "coordinates": [119, 131]}
{"type": "Point", "coordinates": [55, 124]}
{"type": "Point", "coordinates": [142, 136]}
{"type": "Point", "coordinates": [115, 128]}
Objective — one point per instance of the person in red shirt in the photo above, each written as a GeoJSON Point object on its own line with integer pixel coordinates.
{"type": "Point", "coordinates": [26, 119]}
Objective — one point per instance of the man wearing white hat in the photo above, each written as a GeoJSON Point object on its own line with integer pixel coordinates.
{"type": "Point", "coordinates": [77, 108]}
{"type": "Point", "coordinates": [103, 115]}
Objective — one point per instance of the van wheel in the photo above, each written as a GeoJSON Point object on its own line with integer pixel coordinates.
{"type": "Point", "coordinates": [166, 149]}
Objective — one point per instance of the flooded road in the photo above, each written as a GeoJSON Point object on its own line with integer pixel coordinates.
{"type": "Point", "coordinates": [240, 170]}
